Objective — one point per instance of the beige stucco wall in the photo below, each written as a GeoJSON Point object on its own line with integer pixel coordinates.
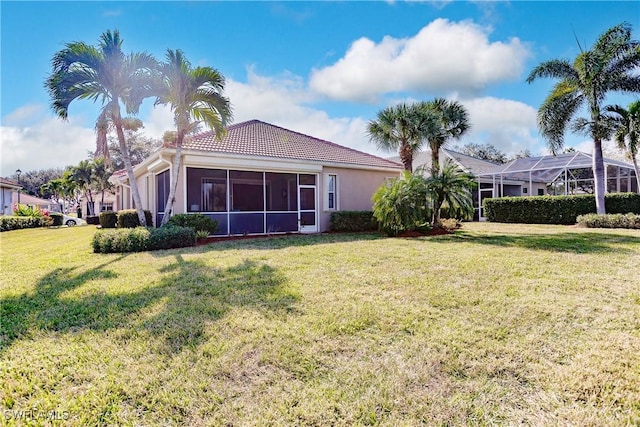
{"type": "Point", "coordinates": [355, 189]}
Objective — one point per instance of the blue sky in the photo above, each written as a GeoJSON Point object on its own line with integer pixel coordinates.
{"type": "Point", "coordinates": [321, 68]}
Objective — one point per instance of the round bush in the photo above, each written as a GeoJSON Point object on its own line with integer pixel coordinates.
{"type": "Point", "coordinates": [197, 222]}
{"type": "Point", "coordinates": [108, 219]}
{"type": "Point", "coordinates": [402, 205]}
{"type": "Point", "coordinates": [128, 218]}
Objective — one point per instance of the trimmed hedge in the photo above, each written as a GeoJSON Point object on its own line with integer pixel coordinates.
{"type": "Point", "coordinates": [8, 223]}
{"type": "Point", "coordinates": [555, 209]}
{"type": "Point", "coordinates": [108, 219]}
{"type": "Point", "coordinates": [128, 218]}
{"type": "Point", "coordinates": [350, 221]}
{"type": "Point", "coordinates": [169, 237]}
{"type": "Point", "coordinates": [142, 239]}
{"type": "Point", "coordinates": [198, 222]}
{"type": "Point", "coordinates": [92, 219]}
{"type": "Point", "coordinates": [610, 221]}
{"type": "Point", "coordinates": [57, 219]}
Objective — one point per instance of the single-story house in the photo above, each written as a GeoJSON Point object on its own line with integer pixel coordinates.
{"type": "Point", "coordinates": [562, 174]}
{"type": "Point", "coordinates": [109, 202]}
{"type": "Point", "coordinates": [260, 178]}
{"type": "Point", "coordinates": [33, 201]}
{"type": "Point", "coordinates": [7, 189]}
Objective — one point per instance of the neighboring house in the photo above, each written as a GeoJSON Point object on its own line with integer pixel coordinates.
{"type": "Point", "coordinates": [567, 173]}
{"type": "Point", "coordinates": [8, 188]}
{"type": "Point", "coordinates": [478, 168]}
{"type": "Point", "coordinates": [260, 178]}
{"type": "Point", "coordinates": [26, 199]}
{"type": "Point", "coordinates": [109, 204]}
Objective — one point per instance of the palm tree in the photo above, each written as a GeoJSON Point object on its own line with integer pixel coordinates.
{"type": "Point", "coordinates": [607, 67]}
{"type": "Point", "coordinates": [627, 131]}
{"type": "Point", "coordinates": [401, 128]}
{"type": "Point", "coordinates": [195, 96]}
{"type": "Point", "coordinates": [55, 187]}
{"type": "Point", "coordinates": [100, 179]}
{"type": "Point", "coordinates": [83, 177]}
{"type": "Point", "coordinates": [450, 186]}
{"type": "Point", "coordinates": [452, 122]}
{"type": "Point", "coordinates": [104, 74]}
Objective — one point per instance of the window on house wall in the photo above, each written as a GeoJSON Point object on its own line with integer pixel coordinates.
{"type": "Point", "coordinates": [332, 192]}
{"type": "Point", "coordinates": [540, 191]}
{"type": "Point", "coordinates": [162, 188]}
{"type": "Point", "coordinates": [524, 190]}
{"type": "Point", "coordinates": [107, 207]}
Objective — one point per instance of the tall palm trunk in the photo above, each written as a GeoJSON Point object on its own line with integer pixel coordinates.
{"type": "Point", "coordinates": [177, 160]}
{"type": "Point", "coordinates": [406, 156]}
{"type": "Point", "coordinates": [90, 205]}
{"type": "Point", "coordinates": [598, 176]}
{"type": "Point", "coordinates": [435, 160]}
{"type": "Point", "coordinates": [635, 166]}
{"type": "Point", "coordinates": [137, 201]}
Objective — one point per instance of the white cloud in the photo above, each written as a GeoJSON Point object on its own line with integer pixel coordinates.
{"type": "Point", "coordinates": [443, 57]}
{"type": "Point", "coordinates": [282, 101]}
{"type": "Point", "coordinates": [159, 121]}
{"type": "Point", "coordinates": [508, 125]}
{"type": "Point", "coordinates": [49, 143]}
{"type": "Point", "coordinates": [24, 115]}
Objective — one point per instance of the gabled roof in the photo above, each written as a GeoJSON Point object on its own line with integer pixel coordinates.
{"type": "Point", "coordinates": [256, 138]}
{"type": "Point", "coordinates": [469, 164]}
{"type": "Point", "coordinates": [472, 164]}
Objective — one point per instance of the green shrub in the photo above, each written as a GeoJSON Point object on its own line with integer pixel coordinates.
{"type": "Point", "coordinates": [610, 221]}
{"type": "Point", "coordinates": [197, 222]}
{"type": "Point", "coordinates": [108, 219]}
{"type": "Point", "coordinates": [8, 223]}
{"type": "Point", "coordinates": [403, 204]}
{"type": "Point", "coordinates": [56, 219]}
{"type": "Point", "coordinates": [622, 203]}
{"type": "Point", "coordinates": [128, 218]}
{"type": "Point", "coordinates": [352, 221]}
{"type": "Point", "coordinates": [555, 209]}
{"type": "Point", "coordinates": [121, 240]}
{"type": "Point", "coordinates": [171, 237]}
{"type": "Point", "coordinates": [142, 239]}
{"type": "Point", "coordinates": [20, 209]}
{"type": "Point", "coordinates": [93, 219]}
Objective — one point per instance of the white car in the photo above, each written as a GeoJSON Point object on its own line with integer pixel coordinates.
{"type": "Point", "coordinates": [71, 220]}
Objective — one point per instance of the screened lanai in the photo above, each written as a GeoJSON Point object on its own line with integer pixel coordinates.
{"type": "Point", "coordinates": [562, 174]}
{"type": "Point", "coordinates": [567, 173]}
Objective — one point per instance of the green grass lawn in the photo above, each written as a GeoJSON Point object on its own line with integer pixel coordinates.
{"type": "Point", "coordinates": [497, 324]}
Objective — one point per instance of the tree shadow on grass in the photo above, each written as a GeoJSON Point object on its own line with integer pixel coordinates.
{"type": "Point", "coordinates": [289, 240]}
{"type": "Point", "coordinates": [574, 242]}
{"type": "Point", "coordinates": [188, 295]}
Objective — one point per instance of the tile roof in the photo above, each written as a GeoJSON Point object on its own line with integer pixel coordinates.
{"type": "Point", "coordinates": [256, 138]}
{"type": "Point", "coordinates": [9, 182]}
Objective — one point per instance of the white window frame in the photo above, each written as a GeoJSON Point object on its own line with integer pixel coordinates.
{"type": "Point", "coordinates": [327, 180]}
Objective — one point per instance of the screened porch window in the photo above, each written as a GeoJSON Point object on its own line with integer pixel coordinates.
{"type": "Point", "coordinates": [247, 191]}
